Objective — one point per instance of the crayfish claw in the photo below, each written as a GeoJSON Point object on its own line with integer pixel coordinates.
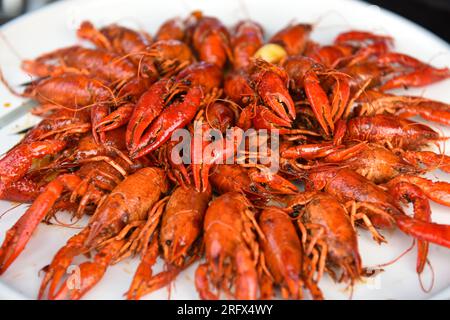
{"type": "Point", "coordinates": [88, 273]}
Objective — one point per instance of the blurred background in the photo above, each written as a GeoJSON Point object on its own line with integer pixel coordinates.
{"type": "Point", "coordinates": [434, 15]}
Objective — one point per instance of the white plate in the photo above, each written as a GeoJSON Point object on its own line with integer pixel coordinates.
{"type": "Point", "coordinates": [54, 26]}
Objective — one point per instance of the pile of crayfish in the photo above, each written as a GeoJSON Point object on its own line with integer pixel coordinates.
{"type": "Point", "coordinates": [350, 157]}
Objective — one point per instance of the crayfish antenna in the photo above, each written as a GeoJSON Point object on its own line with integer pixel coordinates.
{"type": "Point", "coordinates": [9, 86]}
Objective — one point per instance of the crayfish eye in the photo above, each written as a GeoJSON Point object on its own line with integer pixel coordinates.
{"type": "Point", "coordinates": [168, 242]}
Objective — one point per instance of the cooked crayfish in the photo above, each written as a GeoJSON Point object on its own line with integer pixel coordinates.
{"type": "Point", "coordinates": [232, 251]}
{"type": "Point", "coordinates": [131, 207]}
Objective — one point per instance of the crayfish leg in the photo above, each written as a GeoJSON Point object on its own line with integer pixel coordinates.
{"type": "Point", "coordinates": [265, 287]}
{"type": "Point", "coordinates": [200, 174]}
{"type": "Point", "coordinates": [347, 153]}
{"type": "Point", "coordinates": [88, 32]}
{"type": "Point", "coordinates": [426, 231]}
{"type": "Point", "coordinates": [274, 181]}
{"type": "Point", "coordinates": [438, 191]}
{"type": "Point", "coordinates": [422, 211]}
{"type": "Point", "coordinates": [310, 151]}
{"type": "Point", "coordinates": [98, 113]}
{"type": "Point", "coordinates": [361, 38]}
{"type": "Point", "coordinates": [341, 97]}
{"type": "Point", "coordinates": [418, 78]}
{"type": "Point", "coordinates": [116, 119]}
{"type": "Point", "coordinates": [18, 236]}
{"type": "Point", "coordinates": [247, 278]}
{"type": "Point", "coordinates": [423, 230]}
{"type": "Point", "coordinates": [202, 283]}
{"type": "Point", "coordinates": [429, 159]}
{"type": "Point", "coordinates": [314, 289]}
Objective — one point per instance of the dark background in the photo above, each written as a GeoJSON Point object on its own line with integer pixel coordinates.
{"type": "Point", "coordinates": [434, 15]}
